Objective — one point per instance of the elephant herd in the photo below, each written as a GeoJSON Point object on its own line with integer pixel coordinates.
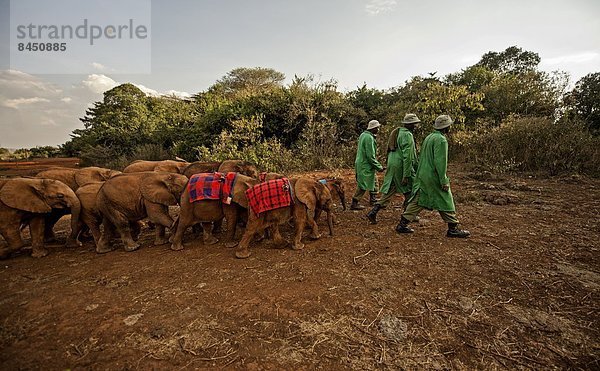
{"type": "Point", "coordinates": [109, 204]}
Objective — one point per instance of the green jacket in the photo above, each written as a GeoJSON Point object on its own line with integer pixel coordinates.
{"type": "Point", "coordinates": [366, 164]}
{"type": "Point", "coordinates": [402, 162]}
{"type": "Point", "coordinates": [431, 174]}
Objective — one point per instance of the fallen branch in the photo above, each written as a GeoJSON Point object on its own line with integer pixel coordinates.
{"type": "Point", "coordinates": [362, 256]}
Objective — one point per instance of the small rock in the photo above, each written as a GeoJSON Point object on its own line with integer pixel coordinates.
{"type": "Point", "coordinates": [393, 328]}
{"type": "Point", "coordinates": [132, 320]}
{"type": "Point", "coordinates": [157, 333]}
{"type": "Point", "coordinates": [91, 307]}
{"type": "Point", "coordinates": [465, 303]}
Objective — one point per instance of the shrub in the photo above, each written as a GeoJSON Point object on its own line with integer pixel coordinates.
{"type": "Point", "coordinates": [151, 152]}
{"type": "Point", "coordinates": [318, 148]}
{"type": "Point", "coordinates": [532, 144]}
{"type": "Point", "coordinates": [242, 141]}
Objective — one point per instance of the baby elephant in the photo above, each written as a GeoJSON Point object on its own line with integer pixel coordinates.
{"type": "Point", "coordinates": [132, 197]}
{"type": "Point", "coordinates": [29, 201]}
{"type": "Point", "coordinates": [91, 215]}
{"type": "Point", "coordinates": [308, 195]}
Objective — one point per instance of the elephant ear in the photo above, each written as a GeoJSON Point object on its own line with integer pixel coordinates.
{"type": "Point", "coordinates": [181, 166]}
{"type": "Point", "coordinates": [25, 194]}
{"type": "Point", "coordinates": [307, 192]}
{"type": "Point", "coordinates": [155, 189]}
{"type": "Point", "coordinates": [242, 184]}
{"type": "Point", "coordinates": [88, 175]}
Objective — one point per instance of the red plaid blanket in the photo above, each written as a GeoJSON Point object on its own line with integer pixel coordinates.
{"type": "Point", "coordinates": [211, 186]}
{"type": "Point", "coordinates": [270, 195]}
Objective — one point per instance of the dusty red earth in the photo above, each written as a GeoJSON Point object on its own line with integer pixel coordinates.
{"type": "Point", "coordinates": [522, 292]}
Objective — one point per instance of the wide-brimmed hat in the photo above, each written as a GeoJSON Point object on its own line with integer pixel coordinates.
{"type": "Point", "coordinates": [373, 124]}
{"type": "Point", "coordinates": [410, 118]}
{"type": "Point", "coordinates": [442, 122]}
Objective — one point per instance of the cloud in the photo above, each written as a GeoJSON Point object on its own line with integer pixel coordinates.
{"type": "Point", "coordinates": [99, 66]}
{"type": "Point", "coordinates": [375, 7]}
{"type": "Point", "coordinates": [21, 84]}
{"type": "Point", "coordinates": [147, 90]}
{"type": "Point", "coordinates": [66, 99]}
{"type": "Point", "coordinates": [571, 58]}
{"type": "Point", "coordinates": [178, 94]}
{"type": "Point", "coordinates": [15, 103]}
{"type": "Point", "coordinates": [99, 83]}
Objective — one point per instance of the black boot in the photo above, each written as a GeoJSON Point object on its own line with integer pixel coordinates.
{"type": "Point", "coordinates": [372, 215]}
{"type": "Point", "coordinates": [402, 227]}
{"type": "Point", "coordinates": [373, 198]}
{"type": "Point", "coordinates": [453, 231]}
{"type": "Point", "coordinates": [356, 206]}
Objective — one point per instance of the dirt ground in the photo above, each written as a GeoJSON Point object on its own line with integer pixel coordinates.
{"type": "Point", "coordinates": [523, 292]}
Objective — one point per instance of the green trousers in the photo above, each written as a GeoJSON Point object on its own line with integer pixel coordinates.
{"type": "Point", "coordinates": [358, 195]}
{"type": "Point", "coordinates": [385, 200]}
{"type": "Point", "coordinates": [413, 209]}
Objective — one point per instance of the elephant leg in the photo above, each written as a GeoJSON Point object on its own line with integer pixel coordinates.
{"type": "Point", "coordinates": [278, 239]}
{"type": "Point", "coordinates": [103, 243]}
{"type": "Point", "coordinates": [318, 212]}
{"type": "Point", "coordinates": [159, 215]}
{"type": "Point", "coordinates": [37, 228]}
{"type": "Point", "coordinates": [160, 238]}
{"type": "Point", "coordinates": [253, 226]}
{"type": "Point", "coordinates": [12, 234]}
{"type": "Point", "coordinates": [207, 237]}
{"type": "Point", "coordinates": [314, 234]}
{"type": "Point", "coordinates": [121, 222]}
{"type": "Point", "coordinates": [94, 226]}
{"type": "Point", "coordinates": [181, 225]}
{"type": "Point", "coordinates": [299, 222]}
{"type": "Point", "coordinates": [231, 215]}
{"type": "Point", "coordinates": [217, 226]}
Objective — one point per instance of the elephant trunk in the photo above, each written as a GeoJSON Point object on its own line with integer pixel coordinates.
{"type": "Point", "coordinates": [330, 222]}
{"type": "Point", "coordinates": [75, 205]}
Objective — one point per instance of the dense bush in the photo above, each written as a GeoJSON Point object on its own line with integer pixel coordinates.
{"type": "Point", "coordinates": [532, 144]}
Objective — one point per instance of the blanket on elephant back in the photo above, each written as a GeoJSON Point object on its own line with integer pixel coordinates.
{"type": "Point", "coordinates": [270, 195]}
{"type": "Point", "coordinates": [211, 186]}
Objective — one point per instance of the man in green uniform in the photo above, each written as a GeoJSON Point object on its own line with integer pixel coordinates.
{"type": "Point", "coordinates": [401, 165]}
{"type": "Point", "coordinates": [431, 189]}
{"type": "Point", "coordinates": [366, 165]}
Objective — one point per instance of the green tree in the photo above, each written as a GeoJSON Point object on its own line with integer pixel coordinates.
{"type": "Point", "coordinates": [512, 60]}
{"type": "Point", "coordinates": [249, 81]}
{"type": "Point", "coordinates": [529, 93]}
{"type": "Point", "coordinates": [585, 100]}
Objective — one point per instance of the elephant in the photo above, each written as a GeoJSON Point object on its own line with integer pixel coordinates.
{"type": "Point", "coordinates": [167, 166]}
{"type": "Point", "coordinates": [28, 201]}
{"type": "Point", "coordinates": [235, 166]}
{"type": "Point", "coordinates": [308, 196]}
{"type": "Point", "coordinates": [74, 178]}
{"type": "Point", "coordinates": [132, 197]}
{"type": "Point", "coordinates": [337, 186]}
{"type": "Point", "coordinates": [91, 215]}
{"type": "Point", "coordinates": [212, 211]}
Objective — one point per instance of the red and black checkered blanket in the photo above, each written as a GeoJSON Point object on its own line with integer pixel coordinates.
{"type": "Point", "coordinates": [270, 195]}
{"type": "Point", "coordinates": [212, 186]}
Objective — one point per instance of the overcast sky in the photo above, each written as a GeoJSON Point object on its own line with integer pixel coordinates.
{"type": "Point", "coordinates": [378, 42]}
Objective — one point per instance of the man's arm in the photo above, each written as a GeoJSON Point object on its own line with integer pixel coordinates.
{"type": "Point", "coordinates": [440, 162]}
{"type": "Point", "coordinates": [406, 144]}
{"type": "Point", "coordinates": [370, 153]}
